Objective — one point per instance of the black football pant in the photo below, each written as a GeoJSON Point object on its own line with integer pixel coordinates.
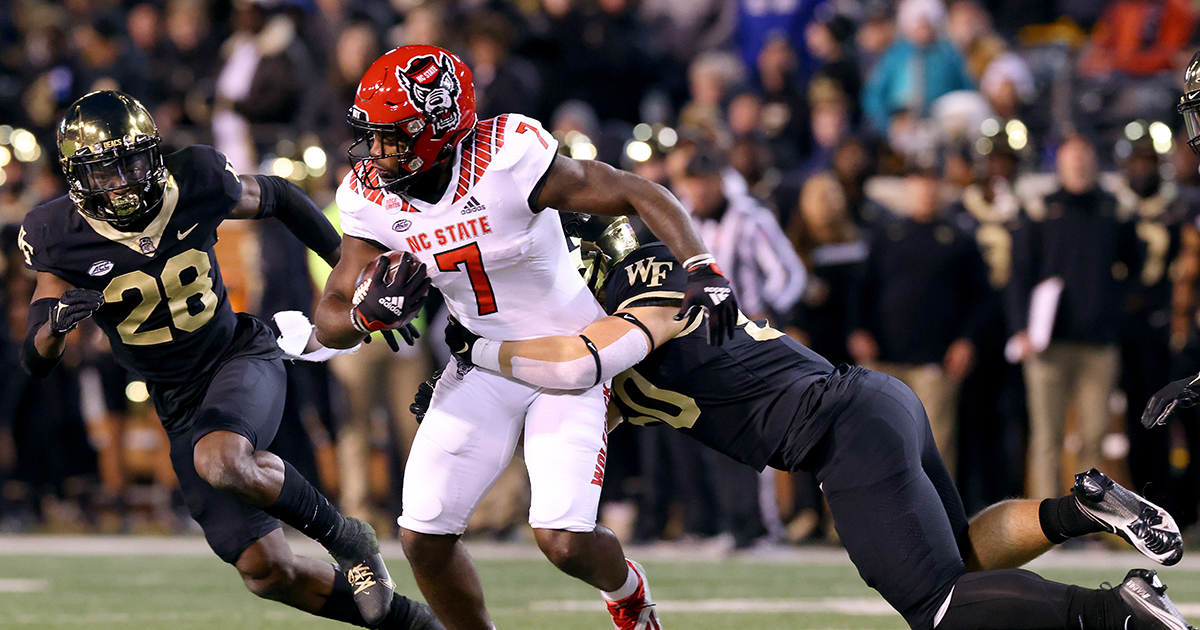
{"type": "Point", "coordinates": [901, 520]}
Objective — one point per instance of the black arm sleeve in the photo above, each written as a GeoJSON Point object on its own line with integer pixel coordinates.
{"type": "Point", "coordinates": [285, 201]}
{"type": "Point", "coordinates": [34, 363]}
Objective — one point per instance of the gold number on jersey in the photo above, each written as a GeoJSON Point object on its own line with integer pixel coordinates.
{"type": "Point", "coordinates": [661, 405]}
{"type": "Point", "coordinates": [148, 289]}
{"type": "Point", "coordinates": [177, 294]}
{"type": "Point", "coordinates": [995, 242]}
{"type": "Point", "coordinates": [1158, 241]}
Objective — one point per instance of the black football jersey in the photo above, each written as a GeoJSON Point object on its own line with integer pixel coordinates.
{"type": "Point", "coordinates": [744, 398]}
{"type": "Point", "coordinates": [166, 312]}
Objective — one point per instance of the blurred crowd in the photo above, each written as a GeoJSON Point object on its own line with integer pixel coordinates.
{"type": "Point", "coordinates": [904, 185]}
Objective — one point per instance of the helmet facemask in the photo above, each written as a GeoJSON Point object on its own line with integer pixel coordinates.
{"type": "Point", "coordinates": [121, 184]}
{"type": "Point", "coordinates": [402, 136]}
{"type": "Point", "coordinates": [1189, 105]}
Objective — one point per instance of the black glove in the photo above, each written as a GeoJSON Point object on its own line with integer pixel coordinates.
{"type": "Point", "coordinates": [1180, 394]}
{"type": "Point", "coordinates": [460, 340]}
{"type": "Point", "coordinates": [408, 332]}
{"type": "Point", "coordinates": [708, 289]}
{"type": "Point", "coordinates": [73, 307]}
{"type": "Point", "coordinates": [424, 396]}
{"type": "Point", "coordinates": [388, 301]}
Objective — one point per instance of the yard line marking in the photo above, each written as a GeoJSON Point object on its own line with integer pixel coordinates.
{"type": "Point", "coordinates": [18, 585]}
{"type": "Point", "coordinates": [845, 606]}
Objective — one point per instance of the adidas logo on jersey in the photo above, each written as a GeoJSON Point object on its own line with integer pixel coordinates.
{"type": "Point", "coordinates": [394, 304]}
{"type": "Point", "coordinates": [717, 294]}
{"type": "Point", "coordinates": [473, 205]}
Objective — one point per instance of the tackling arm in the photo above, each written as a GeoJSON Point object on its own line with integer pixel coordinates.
{"type": "Point", "coordinates": [266, 196]}
{"type": "Point", "coordinates": [604, 349]}
{"type": "Point", "coordinates": [596, 188]}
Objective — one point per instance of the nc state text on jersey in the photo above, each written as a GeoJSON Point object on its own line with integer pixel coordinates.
{"type": "Point", "coordinates": [461, 231]}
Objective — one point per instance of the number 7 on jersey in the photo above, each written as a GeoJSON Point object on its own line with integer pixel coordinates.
{"type": "Point", "coordinates": [470, 257]}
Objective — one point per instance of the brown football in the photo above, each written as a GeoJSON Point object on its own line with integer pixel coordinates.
{"type": "Point", "coordinates": [394, 260]}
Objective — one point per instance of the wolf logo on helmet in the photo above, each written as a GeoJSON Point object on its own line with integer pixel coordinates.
{"type": "Point", "coordinates": [432, 88]}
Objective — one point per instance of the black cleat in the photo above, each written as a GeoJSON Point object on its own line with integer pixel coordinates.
{"type": "Point", "coordinates": [366, 572]}
{"type": "Point", "coordinates": [1149, 528]}
{"type": "Point", "coordinates": [1147, 600]}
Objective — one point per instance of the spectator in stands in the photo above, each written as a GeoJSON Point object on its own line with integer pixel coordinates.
{"type": "Point", "coordinates": [853, 164]}
{"type": "Point", "coordinates": [190, 54]}
{"type": "Point", "coordinates": [992, 403]}
{"type": "Point", "coordinates": [761, 22]}
{"type": "Point", "coordinates": [831, 39]}
{"type": "Point", "coordinates": [830, 116]}
{"type": "Point", "coordinates": [784, 106]}
{"type": "Point", "coordinates": [1076, 235]}
{"type": "Point", "coordinates": [1140, 38]}
{"type": "Point", "coordinates": [915, 70]}
{"type": "Point", "coordinates": [1152, 205]}
{"type": "Point", "coordinates": [503, 82]}
{"type": "Point", "coordinates": [743, 236]}
{"type": "Point", "coordinates": [106, 58]}
{"type": "Point", "coordinates": [833, 251]}
{"type": "Point", "coordinates": [969, 27]}
{"type": "Point", "coordinates": [920, 305]}
{"type": "Point", "coordinates": [686, 29]}
{"type": "Point", "coordinates": [265, 78]}
{"type": "Point", "coordinates": [712, 78]}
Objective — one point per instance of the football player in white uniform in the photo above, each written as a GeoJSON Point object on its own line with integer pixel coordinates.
{"type": "Point", "coordinates": [466, 198]}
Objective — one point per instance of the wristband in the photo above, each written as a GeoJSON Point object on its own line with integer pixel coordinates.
{"type": "Point", "coordinates": [699, 260]}
{"type": "Point", "coordinates": [486, 354]}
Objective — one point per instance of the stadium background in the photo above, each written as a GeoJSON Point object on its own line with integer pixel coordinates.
{"type": "Point", "coordinates": [821, 114]}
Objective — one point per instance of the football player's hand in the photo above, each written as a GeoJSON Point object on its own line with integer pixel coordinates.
{"type": "Point", "coordinates": [709, 290]}
{"type": "Point", "coordinates": [424, 396]}
{"type": "Point", "coordinates": [390, 293]}
{"type": "Point", "coordinates": [408, 333]}
{"type": "Point", "coordinates": [74, 306]}
{"type": "Point", "coordinates": [460, 340]}
{"type": "Point", "coordinates": [1180, 394]}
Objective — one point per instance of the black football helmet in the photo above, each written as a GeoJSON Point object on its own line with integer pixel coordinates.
{"type": "Point", "coordinates": [604, 242]}
{"type": "Point", "coordinates": [108, 147]}
{"type": "Point", "coordinates": [1189, 105]}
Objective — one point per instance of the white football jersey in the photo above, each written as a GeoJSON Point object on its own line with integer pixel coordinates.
{"type": "Point", "coordinates": [504, 270]}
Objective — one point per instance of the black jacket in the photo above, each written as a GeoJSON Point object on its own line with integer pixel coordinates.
{"type": "Point", "coordinates": [1083, 240]}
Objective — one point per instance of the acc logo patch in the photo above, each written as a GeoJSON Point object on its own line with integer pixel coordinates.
{"type": "Point", "coordinates": [401, 225]}
{"type": "Point", "coordinates": [100, 267]}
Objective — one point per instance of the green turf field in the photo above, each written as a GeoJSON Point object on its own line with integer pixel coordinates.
{"type": "Point", "coordinates": [194, 591]}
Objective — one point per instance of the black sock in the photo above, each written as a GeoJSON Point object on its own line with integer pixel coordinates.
{"type": "Point", "coordinates": [301, 506]}
{"type": "Point", "coordinates": [340, 606]}
{"type": "Point", "coordinates": [1062, 519]}
{"type": "Point", "coordinates": [1096, 609]}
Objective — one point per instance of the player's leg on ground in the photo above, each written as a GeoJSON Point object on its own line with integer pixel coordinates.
{"type": "Point", "coordinates": [464, 444]}
{"type": "Point", "coordinates": [238, 417]}
{"type": "Point", "coordinates": [900, 520]}
{"type": "Point", "coordinates": [565, 453]}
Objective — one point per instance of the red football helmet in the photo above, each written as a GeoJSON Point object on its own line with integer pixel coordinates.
{"type": "Point", "coordinates": [420, 99]}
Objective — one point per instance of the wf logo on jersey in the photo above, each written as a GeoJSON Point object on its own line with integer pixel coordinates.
{"type": "Point", "coordinates": [433, 88]}
{"type": "Point", "coordinates": [649, 272]}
